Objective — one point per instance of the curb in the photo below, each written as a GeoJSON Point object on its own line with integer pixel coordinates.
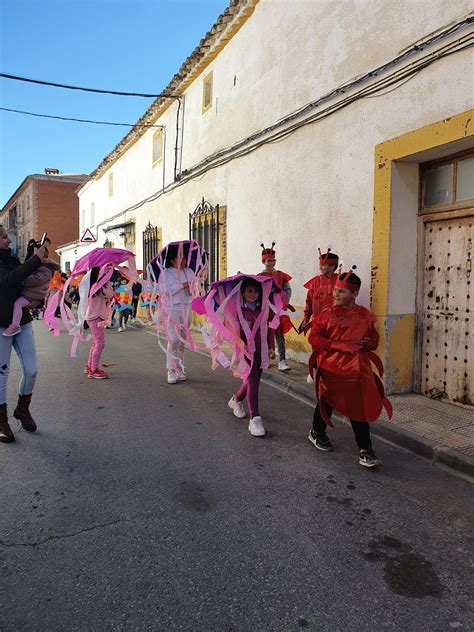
{"type": "Point", "coordinates": [456, 463]}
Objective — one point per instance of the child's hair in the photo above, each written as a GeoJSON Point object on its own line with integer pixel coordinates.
{"type": "Point", "coordinates": [171, 253]}
{"type": "Point", "coordinates": [246, 283]}
{"type": "Point", "coordinates": [30, 248]}
{"type": "Point", "coordinates": [94, 276]}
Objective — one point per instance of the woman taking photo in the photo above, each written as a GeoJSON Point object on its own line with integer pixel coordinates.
{"type": "Point", "coordinates": [12, 275]}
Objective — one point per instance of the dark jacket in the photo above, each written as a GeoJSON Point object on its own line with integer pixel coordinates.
{"type": "Point", "coordinates": [12, 275]}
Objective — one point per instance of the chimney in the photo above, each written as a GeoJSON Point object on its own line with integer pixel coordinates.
{"type": "Point", "coordinates": [51, 172]}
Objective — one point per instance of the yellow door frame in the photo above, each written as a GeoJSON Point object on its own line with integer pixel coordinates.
{"type": "Point", "coordinates": [397, 332]}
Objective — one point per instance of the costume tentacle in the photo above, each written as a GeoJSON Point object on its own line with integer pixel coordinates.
{"type": "Point", "coordinates": [385, 401]}
{"type": "Point", "coordinates": [373, 357]}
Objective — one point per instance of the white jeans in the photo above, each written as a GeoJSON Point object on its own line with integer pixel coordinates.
{"type": "Point", "coordinates": [180, 313]}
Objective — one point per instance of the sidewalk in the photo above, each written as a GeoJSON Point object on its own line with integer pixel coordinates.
{"type": "Point", "coordinates": [440, 432]}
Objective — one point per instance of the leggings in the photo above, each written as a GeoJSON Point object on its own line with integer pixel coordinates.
{"type": "Point", "coordinates": [280, 340]}
{"type": "Point", "coordinates": [98, 343]}
{"type": "Point", "coordinates": [24, 345]}
{"type": "Point", "coordinates": [135, 307]}
{"type": "Point", "coordinates": [18, 306]}
{"type": "Point", "coordinates": [124, 316]}
{"type": "Point", "coordinates": [250, 387]}
{"type": "Point", "coordinates": [180, 314]}
{"type": "Point", "coordinates": [361, 428]}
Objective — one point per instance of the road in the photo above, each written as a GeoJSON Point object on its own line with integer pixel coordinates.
{"type": "Point", "coordinates": [143, 506]}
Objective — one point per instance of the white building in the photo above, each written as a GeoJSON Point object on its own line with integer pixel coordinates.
{"type": "Point", "coordinates": [311, 123]}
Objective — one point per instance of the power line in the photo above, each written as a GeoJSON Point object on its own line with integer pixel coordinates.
{"type": "Point", "coordinates": [96, 90]}
{"type": "Point", "coordinates": [246, 147]}
{"type": "Point", "coordinates": [77, 120]}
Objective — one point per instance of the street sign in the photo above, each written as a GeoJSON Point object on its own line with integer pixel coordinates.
{"type": "Point", "coordinates": [88, 237]}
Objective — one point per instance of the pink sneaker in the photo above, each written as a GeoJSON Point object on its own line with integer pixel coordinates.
{"type": "Point", "coordinates": [98, 374]}
{"type": "Point", "coordinates": [87, 369]}
{"type": "Point", "coordinates": [12, 330]}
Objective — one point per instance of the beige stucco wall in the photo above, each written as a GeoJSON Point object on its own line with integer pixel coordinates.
{"type": "Point", "coordinates": [316, 186]}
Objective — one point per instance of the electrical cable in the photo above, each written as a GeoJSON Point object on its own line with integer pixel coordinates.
{"type": "Point", "coordinates": [220, 159]}
{"type": "Point", "coordinates": [96, 90]}
{"type": "Point", "coordinates": [77, 120]}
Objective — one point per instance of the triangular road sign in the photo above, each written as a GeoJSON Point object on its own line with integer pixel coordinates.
{"type": "Point", "coordinates": [88, 237]}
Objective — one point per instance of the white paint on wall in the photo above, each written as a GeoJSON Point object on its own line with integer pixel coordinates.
{"type": "Point", "coordinates": [316, 186]}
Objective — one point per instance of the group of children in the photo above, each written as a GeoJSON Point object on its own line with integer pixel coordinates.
{"type": "Point", "coordinates": [248, 312]}
{"type": "Point", "coordinates": [342, 335]}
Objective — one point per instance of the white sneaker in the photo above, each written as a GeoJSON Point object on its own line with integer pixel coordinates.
{"type": "Point", "coordinates": [309, 379]}
{"type": "Point", "coordinates": [256, 428]}
{"type": "Point", "coordinates": [125, 326]}
{"type": "Point", "coordinates": [120, 329]}
{"type": "Point", "coordinates": [172, 379]}
{"type": "Point", "coordinates": [283, 366]}
{"type": "Point", "coordinates": [181, 375]}
{"type": "Point", "coordinates": [237, 407]}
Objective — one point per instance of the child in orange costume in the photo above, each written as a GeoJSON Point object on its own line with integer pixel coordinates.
{"type": "Point", "coordinates": [343, 338]}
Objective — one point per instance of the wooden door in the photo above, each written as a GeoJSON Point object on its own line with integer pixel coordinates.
{"type": "Point", "coordinates": [448, 353]}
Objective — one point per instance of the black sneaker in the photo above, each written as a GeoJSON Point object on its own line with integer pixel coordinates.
{"type": "Point", "coordinates": [320, 441]}
{"type": "Point", "coordinates": [368, 458]}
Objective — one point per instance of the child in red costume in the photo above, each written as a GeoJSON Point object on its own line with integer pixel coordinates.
{"type": "Point", "coordinates": [320, 288]}
{"type": "Point", "coordinates": [283, 281]}
{"type": "Point", "coordinates": [343, 338]}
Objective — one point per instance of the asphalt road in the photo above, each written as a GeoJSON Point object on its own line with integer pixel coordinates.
{"type": "Point", "coordinates": [142, 506]}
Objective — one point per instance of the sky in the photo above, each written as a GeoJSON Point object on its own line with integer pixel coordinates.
{"type": "Point", "coordinates": [129, 45]}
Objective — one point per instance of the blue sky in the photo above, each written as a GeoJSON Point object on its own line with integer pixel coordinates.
{"type": "Point", "coordinates": [131, 45]}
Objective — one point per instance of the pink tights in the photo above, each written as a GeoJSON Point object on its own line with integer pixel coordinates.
{"type": "Point", "coordinates": [98, 343]}
{"type": "Point", "coordinates": [250, 387]}
{"type": "Point", "coordinates": [18, 306]}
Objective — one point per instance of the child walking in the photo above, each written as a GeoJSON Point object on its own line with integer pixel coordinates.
{"type": "Point", "coordinates": [251, 298]}
{"type": "Point", "coordinates": [343, 338]}
{"type": "Point", "coordinates": [175, 287]}
{"type": "Point", "coordinates": [98, 314]}
{"type": "Point", "coordinates": [35, 289]}
{"type": "Point", "coordinates": [282, 279]}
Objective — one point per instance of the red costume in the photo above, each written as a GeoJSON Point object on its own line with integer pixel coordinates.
{"type": "Point", "coordinates": [281, 278]}
{"type": "Point", "coordinates": [320, 294]}
{"type": "Point", "coordinates": [345, 379]}
{"type": "Point", "coordinates": [320, 288]}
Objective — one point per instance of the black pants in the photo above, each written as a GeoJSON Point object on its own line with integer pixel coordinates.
{"type": "Point", "coordinates": [135, 307]}
{"type": "Point", "coordinates": [361, 428]}
{"type": "Point", "coordinates": [123, 316]}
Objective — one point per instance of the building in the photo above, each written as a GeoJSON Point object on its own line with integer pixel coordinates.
{"type": "Point", "coordinates": [311, 123]}
{"type": "Point", "coordinates": [43, 203]}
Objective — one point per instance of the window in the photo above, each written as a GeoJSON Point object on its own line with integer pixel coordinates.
{"type": "Point", "coordinates": [68, 266]}
{"type": "Point", "coordinates": [92, 214]}
{"type": "Point", "coordinates": [207, 92]}
{"type": "Point", "coordinates": [111, 184]}
{"type": "Point", "coordinates": [28, 202]}
{"type": "Point", "coordinates": [83, 219]}
{"type": "Point", "coordinates": [448, 183]}
{"type": "Point", "coordinates": [157, 146]}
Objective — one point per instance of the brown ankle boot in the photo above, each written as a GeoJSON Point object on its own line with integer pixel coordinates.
{"type": "Point", "coordinates": [6, 434]}
{"type": "Point", "coordinates": [22, 413]}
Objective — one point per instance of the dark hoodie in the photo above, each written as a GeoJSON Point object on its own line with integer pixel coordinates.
{"type": "Point", "coordinates": [12, 275]}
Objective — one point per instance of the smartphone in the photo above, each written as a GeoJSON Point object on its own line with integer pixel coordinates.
{"type": "Point", "coordinates": [43, 239]}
